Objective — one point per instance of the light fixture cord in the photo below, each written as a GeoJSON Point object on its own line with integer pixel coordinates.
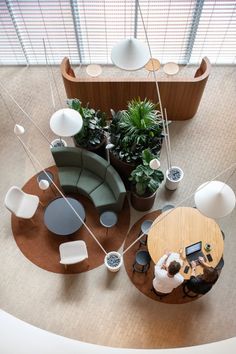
{"type": "Point", "coordinates": [49, 80]}
{"type": "Point", "coordinates": [26, 114]}
{"type": "Point", "coordinates": [227, 179]}
{"type": "Point", "coordinates": [63, 196]}
{"type": "Point", "coordinates": [154, 75]}
{"type": "Point", "coordinates": [162, 216]}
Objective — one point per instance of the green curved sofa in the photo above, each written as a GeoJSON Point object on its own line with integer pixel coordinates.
{"type": "Point", "coordinates": [82, 171]}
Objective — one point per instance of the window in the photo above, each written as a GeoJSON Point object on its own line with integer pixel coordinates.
{"type": "Point", "coordinates": [86, 30]}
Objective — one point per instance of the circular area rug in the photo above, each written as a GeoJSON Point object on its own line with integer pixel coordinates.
{"type": "Point", "coordinates": [142, 281]}
{"type": "Point", "coordinates": [41, 246]}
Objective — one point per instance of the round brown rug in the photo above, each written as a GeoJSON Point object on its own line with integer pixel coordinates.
{"type": "Point", "coordinates": [144, 282]}
{"type": "Point", "coordinates": [41, 246]}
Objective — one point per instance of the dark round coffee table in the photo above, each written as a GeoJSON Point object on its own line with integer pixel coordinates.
{"type": "Point", "coordinates": [60, 219]}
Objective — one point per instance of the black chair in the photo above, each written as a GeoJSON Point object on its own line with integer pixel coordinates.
{"type": "Point", "coordinates": [188, 292]}
{"type": "Point", "coordinates": [145, 227]}
{"type": "Point", "coordinates": [167, 207]}
{"type": "Point", "coordinates": [220, 265]}
{"type": "Point", "coordinates": [142, 262]}
{"type": "Point", "coordinates": [160, 295]}
{"type": "Point", "coordinates": [223, 234]}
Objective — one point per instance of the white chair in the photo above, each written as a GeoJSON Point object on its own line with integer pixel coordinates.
{"type": "Point", "coordinates": [21, 204]}
{"type": "Point", "coordinates": [73, 252]}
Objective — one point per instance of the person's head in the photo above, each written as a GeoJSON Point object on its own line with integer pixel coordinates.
{"type": "Point", "coordinates": [210, 275]}
{"type": "Point", "coordinates": [173, 268]}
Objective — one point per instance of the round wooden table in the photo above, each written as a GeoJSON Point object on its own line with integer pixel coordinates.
{"type": "Point", "coordinates": [180, 227]}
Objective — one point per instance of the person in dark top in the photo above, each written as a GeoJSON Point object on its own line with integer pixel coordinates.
{"type": "Point", "coordinates": [201, 284]}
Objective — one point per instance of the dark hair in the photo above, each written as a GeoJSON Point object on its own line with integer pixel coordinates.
{"type": "Point", "coordinates": [210, 274]}
{"type": "Point", "coordinates": [174, 267]}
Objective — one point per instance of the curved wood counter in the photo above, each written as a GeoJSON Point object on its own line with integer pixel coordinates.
{"type": "Point", "coordinates": [180, 96]}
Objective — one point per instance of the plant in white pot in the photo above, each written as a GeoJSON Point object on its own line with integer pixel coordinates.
{"type": "Point", "coordinates": [146, 179]}
{"type": "Point", "coordinates": [113, 261]}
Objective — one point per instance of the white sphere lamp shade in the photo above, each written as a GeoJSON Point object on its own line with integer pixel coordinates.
{"type": "Point", "coordinates": [19, 130]}
{"type": "Point", "coordinates": [94, 70]}
{"type": "Point", "coordinates": [43, 184]}
{"type": "Point", "coordinates": [66, 122]}
{"type": "Point", "coordinates": [154, 164]}
{"type": "Point", "coordinates": [130, 54]}
{"type": "Point", "coordinates": [215, 199]}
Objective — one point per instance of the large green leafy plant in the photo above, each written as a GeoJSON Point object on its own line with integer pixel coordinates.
{"type": "Point", "coordinates": [135, 129]}
{"type": "Point", "coordinates": [92, 133]}
{"type": "Point", "coordinates": [144, 179]}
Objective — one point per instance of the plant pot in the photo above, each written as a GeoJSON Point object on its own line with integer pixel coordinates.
{"type": "Point", "coordinates": [113, 261]}
{"type": "Point", "coordinates": [172, 181]}
{"type": "Point", "coordinates": [98, 149]}
{"type": "Point", "coordinates": [123, 168]}
{"type": "Point", "coordinates": [142, 203]}
{"type": "Point", "coordinates": [58, 143]}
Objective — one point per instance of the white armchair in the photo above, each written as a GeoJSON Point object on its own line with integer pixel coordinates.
{"type": "Point", "coordinates": [21, 204]}
{"type": "Point", "coordinates": [73, 252]}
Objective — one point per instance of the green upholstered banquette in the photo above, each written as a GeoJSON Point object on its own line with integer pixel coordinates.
{"type": "Point", "coordinates": [84, 172]}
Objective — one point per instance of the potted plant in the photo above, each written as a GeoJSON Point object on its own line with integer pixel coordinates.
{"type": "Point", "coordinates": [174, 175]}
{"type": "Point", "coordinates": [91, 136]}
{"type": "Point", "coordinates": [132, 131]}
{"type": "Point", "coordinates": [113, 261]}
{"type": "Point", "coordinates": [145, 181]}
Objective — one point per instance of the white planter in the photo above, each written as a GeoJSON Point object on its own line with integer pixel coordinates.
{"type": "Point", "coordinates": [111, 256]}
{"type": "Point", "coordinates": [171, 183]}
{"type": "Point", "coordinates": [58, 143]}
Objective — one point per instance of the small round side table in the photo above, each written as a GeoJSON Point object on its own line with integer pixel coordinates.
{"type": "Point", "coordinates": [171, 68]}
{"type": "Point", "coordinates": [152, 65]}
{"type": "Point", "coordinates": [108, 219]}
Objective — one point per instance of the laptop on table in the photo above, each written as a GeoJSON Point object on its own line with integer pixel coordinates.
{"type": "Point", "coordinates": [194, 251]}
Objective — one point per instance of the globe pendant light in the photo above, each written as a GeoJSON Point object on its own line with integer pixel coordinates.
{"type": "Point", "coordinates": [215, 199]}
{"type": "Point", "coordinates": [66, 122]}
{"type": "Point", "coordinates": [154, 164]}
{"type": "Point", "coordinates": [43, 184]}
{"type": "Point", "coordinates": [130, 54]}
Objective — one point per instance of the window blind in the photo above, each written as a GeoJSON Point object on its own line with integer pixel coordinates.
{"type": "Point", "coordinates": [168, 24]}
{"type": "Point", "coordinates": [86, 30]}
{"type": "Point", "coordinates": [48, 20]}
{"type": "Point", "coordinates": [11, 51]}
{"type": "Point", "coordinates": [102, 24]}
{"type": "Point", "coordinates": [216, 33]}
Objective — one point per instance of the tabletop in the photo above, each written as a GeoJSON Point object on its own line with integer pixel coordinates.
{"type": "Point", "coordinates": [180, 227]}
{"type": "Point", "coordinates": [59, 217]}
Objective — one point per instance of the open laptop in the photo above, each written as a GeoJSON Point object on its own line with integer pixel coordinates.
{"type": "Point", "coordinates": [194, 251]}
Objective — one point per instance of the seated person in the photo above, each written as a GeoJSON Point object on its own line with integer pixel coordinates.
{"type": "Point", "coordinates": [201, 284]}
{"type": "Point", "coordinates": [166, 272]}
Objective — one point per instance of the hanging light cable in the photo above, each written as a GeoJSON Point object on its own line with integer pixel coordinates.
{"type": "Point", "coordinates": [59, 191]}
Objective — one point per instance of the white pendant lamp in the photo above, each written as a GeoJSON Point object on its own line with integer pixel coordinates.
{"type": "Point", "coordinates": [19, 130]}
{"type": "Point", "coordinates": [94, 70]}
{"type": "Point", "coordinates": [215, 199]}
{"type": "Point", "coordinates": [66, 122]}
{"type": "Point", "coordinates": [130, 54]}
